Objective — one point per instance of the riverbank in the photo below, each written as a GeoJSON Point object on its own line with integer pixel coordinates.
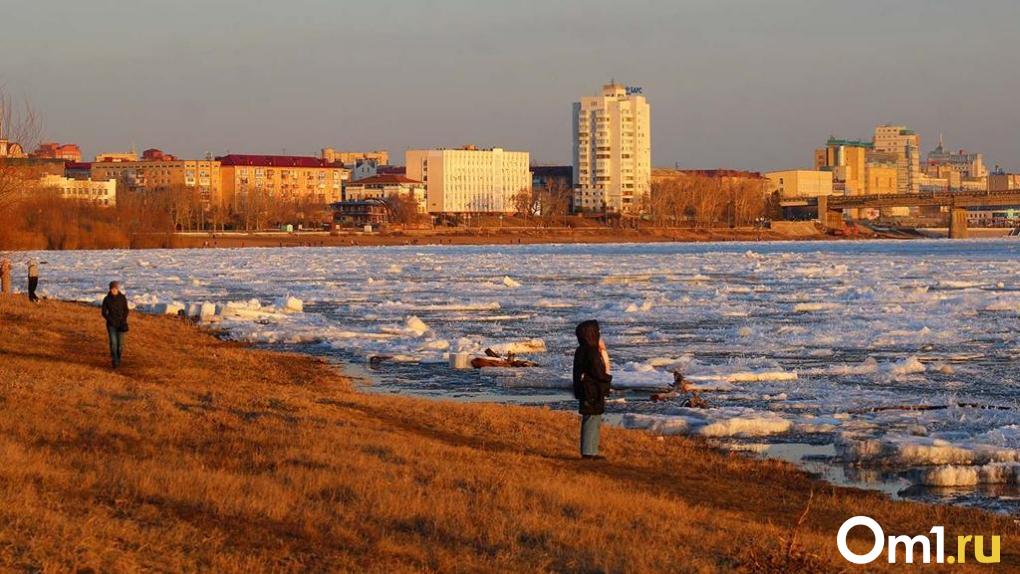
{"type": "Point", "coordinates": [201, 454]}
{"type": "Point", "coordinates": [782, 231]}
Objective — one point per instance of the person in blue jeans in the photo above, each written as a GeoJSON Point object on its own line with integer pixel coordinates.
{"type": "Point", "coordinates": [591, 384]}
{"type": "Point", "coordinates": [115, 311]}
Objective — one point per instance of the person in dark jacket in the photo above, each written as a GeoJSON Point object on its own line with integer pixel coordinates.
{"type": "Point", "coordinates": [33, 280]}
{"type": "Point", "coordinates": [115, 311]}
{"type": "Point", "coordinates": [591, 384]}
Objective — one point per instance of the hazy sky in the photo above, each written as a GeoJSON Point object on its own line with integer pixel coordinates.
{"type": "Point", "coordinates": [742, 84]}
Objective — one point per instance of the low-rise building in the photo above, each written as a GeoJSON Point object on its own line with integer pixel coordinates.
{"type": "Point", "coordinates": [470, 180]}
{"type": "Point", "coordinates": [800, 183]}
{"type": "Point", "coordinates": [350, 158]}
{"type": "Point", "coordinates": [99, 192]}
{"type": "Point", "coordinates": [116, 156]}
{"type": "Point", "coordinates": [53, 150]}
{"type": "Point", "coordinates": [1001, 181]}
{"type": "Point", "coordinates": [360, 213]}
{"type": "Point", "coordinates": [9, 149]}
{"type": "Point", "coordinates": [384, 187]}
{"type": "Point", "coordinates": [280, 177]}
{"type": "Point", "coordinates": [163, 175]}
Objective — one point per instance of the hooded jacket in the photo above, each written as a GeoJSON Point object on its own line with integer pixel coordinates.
{"type": "Point", "coordinates": [591, 381]}
{"type": "Point", "coordinates": [115, 311]}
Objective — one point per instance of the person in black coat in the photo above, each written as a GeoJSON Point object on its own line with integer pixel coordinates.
{"type": "Point", "coordinates": [115, 311]}
{"type": "Point", "coordinates": [591, 384]}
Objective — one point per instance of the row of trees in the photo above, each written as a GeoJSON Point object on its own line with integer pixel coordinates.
{"type": "Point", "coordinates": [687, 200]}
{"type": "Point", "coordinates": [699, 200]}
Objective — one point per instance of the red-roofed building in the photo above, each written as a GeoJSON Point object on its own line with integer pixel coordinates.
{"type": "Point", "coordinates": [53, 150]}
{"type": "Point", "coordinates": [385, 186]}
{"type": "Point", "coordinates": [250, 179]}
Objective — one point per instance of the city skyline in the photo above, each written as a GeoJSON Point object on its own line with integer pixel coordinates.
{"type": "Point", "coordinates": [312, 74]}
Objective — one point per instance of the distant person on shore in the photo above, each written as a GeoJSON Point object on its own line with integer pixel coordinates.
{"type": "Point", "coordinates": [33, 280]}
{"type": "Point", "coordinates": [591, 384]}
{"type": "Point", "coordinates": [115, 311]}
{"type": "Point", "coordinates": [5, 276]}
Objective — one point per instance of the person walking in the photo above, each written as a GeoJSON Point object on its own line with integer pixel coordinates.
{"type": "Point", "coordinates": [591, 384]}
{"type": "Point", "coordinates": [115, 311]}
{"type": "Point", "coordinates": [33, 280]}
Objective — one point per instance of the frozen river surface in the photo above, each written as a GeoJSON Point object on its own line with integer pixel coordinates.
{"type": "Point", "coordinates": [880, 363]}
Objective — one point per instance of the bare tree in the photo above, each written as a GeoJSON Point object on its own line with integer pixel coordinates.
{"type": "Point", "coordinates": [404, 209]}
{"type": "Point", "coordinates": [19, 126]}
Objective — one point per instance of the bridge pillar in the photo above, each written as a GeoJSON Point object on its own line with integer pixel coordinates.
{"type": "Point", "coordinates": [823, 209]}
{"type": "Point", "coordinates": [957, 223]}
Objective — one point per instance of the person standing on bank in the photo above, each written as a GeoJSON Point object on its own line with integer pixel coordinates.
{"type": "Point", "coordinates": [115, 311]}
{"type": "Point", "coordinates": [33, 280]}
{"type": "Point", "coordinates": [591, 384]}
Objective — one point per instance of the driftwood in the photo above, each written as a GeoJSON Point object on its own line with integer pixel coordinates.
{"type": "Point", "coordinates": [493, 359]}
{"type": "Point", "coordinates": [482, 362]}
{"type": "Point", "coordinates": [681, 387]}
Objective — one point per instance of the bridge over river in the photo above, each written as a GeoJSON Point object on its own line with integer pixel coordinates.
{"type": "Point", "coordinates": [830, 208]}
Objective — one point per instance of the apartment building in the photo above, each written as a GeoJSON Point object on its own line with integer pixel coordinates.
{"type": "Point", "coordinates": [470, 180]}
{"type": "Point", "coordinates": [279, 177]}
{"type": "Point", "coordinates": [612, 150]}
{"type": "Point", "coordinates": [165, 174]}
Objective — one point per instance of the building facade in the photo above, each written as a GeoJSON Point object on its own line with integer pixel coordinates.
{"type": "Point", "coordinates": [848, 162]}
{"type": "Point", "coordinates": [163, 175]}
{"type": "Point", "coordinates": [102, 193]}
{"type": "Point", "coordinates": [612, 150]}
{"type": "Point", "coordinates": [244, 178]}
{"type": "Point", "coordinates": [966, 164]}
{"type": "Point", "coordinates": [800, 183]}
{"type": "Point", "coordinates": [386, 186]}
{"type": "Point", "coordinates": [350, 158]}
{"type": "Point", "coordinates": [470, 180]}
{"type": "Point", "coordinates": [906, 144]}
{"type": "Point", "coordinates": [115, 156]}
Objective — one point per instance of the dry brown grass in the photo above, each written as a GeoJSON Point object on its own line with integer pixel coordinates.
{"type": "Point", "coordinates": [205, 455]}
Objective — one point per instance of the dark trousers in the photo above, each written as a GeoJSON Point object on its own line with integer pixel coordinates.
{"type": "Point", "coordinates": [116, 343]}
{"type": "Point", "coordinates": [33, 283]}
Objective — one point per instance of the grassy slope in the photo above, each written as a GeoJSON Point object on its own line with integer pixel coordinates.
{"type": "Point", "coordinates": [205, 455]}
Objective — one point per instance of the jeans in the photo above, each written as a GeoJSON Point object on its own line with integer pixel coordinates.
{"type": "Point", "coordinates": [116, 343]}
{"type": "Point", "coordinates": [33, 283]}
{"type": "Point", "coordinates": [590, 434]}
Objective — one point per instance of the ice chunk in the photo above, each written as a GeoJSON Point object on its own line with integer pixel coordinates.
{"type": "Point", "coordinates": [460, 360]}
{"type": "Point", "coordinates": [168, 308]}
{"type": "Point", "coordinates": [290, 304]}
{"type": "Point", "coordinates": [416, 326]}
{"type": "Point", "coordinates": [520, 347]}
{"type": "Point", "coordinates": [813, 307]}
{"type": "Point", "coordinates": [908, 366]}
{"type": "Point", "coordinates": [748, 423]}
{"type": "Point", "coordinates": [510, 282]}
{"type": "Point", "coordinates": [950, 476]}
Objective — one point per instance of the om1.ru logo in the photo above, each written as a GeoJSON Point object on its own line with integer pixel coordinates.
{"type": "Point", "coordinates": [909, 544]}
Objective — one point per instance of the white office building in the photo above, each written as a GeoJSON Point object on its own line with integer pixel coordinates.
{"type": "Point", "coordinates": [612, 150]}
{"type": "Point", "coordinates": [470, 180]}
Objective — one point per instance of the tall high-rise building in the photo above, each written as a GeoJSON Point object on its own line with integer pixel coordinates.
{"type": "Point", "coordinates": [906, 144]}
{"type": "Point", "coordinates": [612, 150]}
{"type": "Point", "coordinates": [470, 180]}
